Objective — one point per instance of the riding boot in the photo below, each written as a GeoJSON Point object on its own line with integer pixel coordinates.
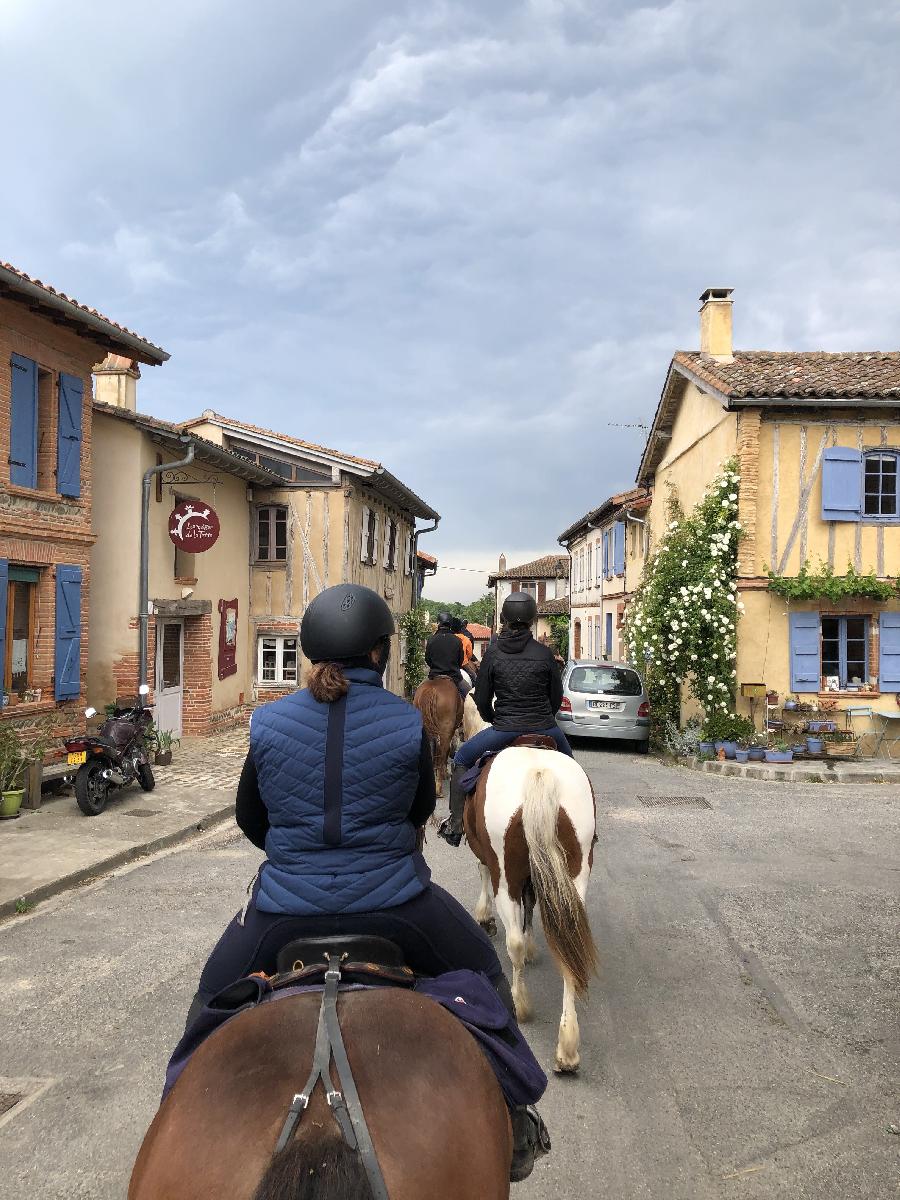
{"type": "Point", "coordinates": [451, 829]}
{"type": "Point", "coordinates": [530, 1141]}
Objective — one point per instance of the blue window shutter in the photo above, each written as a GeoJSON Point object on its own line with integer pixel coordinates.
{"type": "Point", "coordinates": [68, 633]}
{"type": "Point", "coordinates": [842, 484]}
{"type": "Point", "coordinates": [805, 661]}
{"type": "Point", "coordinates": [4, 591]}
{"type": "Point", "coordinates": [619, 548]}
{"type": "Point", "coordinates": [889, 652]}
{"type": "Point", "coordinates": [68, 446]}
{"type": "Point", "coordinates": [609, 633]}
{"type": "Point", "coordinates": [23, 423]}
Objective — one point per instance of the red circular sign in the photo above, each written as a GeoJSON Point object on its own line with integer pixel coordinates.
{"type": "Point", "coordinates": [193, 526]}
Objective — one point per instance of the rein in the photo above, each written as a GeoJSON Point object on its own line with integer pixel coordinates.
{"type": "Point", "coordinates": [345, 1106]}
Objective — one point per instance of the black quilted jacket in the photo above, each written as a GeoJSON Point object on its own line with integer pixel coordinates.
{"type": "Point", "coordinates": [519, 686]}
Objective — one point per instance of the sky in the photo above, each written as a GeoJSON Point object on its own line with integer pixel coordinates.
{"type": "Point", "coordinates": [463, 238]}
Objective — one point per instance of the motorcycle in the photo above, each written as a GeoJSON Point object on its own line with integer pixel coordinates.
{"type": "Point", "coordinates": [111, 758]}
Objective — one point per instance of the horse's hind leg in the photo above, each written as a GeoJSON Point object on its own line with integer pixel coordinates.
{"type": "Point", "coordinates": [513, 918]}
{"type": "Point", "coordinates": [528, 903]}
{"type": "Point", "coordinates": [568, 1045]}
{"type": "Point", "coordinates": [484, 909]}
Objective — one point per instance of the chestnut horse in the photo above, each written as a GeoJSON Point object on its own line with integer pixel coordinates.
{"type": "Point", "coordinates": [441, 706]}
{"type": "Point", "coordinates": [214, 1136]}
{"type": "Point", "coordinates": [532, 826]}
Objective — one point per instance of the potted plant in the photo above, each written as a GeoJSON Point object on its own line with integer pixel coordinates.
{"type": "Point", "coordinates": [756, 751]}
{"type": "Point", "coordinates": [17, 752]}
{"type": "Point", "coordinates": [742, 754]}
{"type": "Point", "coordinates": [814, 745]}
{"type": "Point", "coordinates": [779, 753]}
{"type": "Point", "coordinates": [165, 742]}
{"type": "Point", "coordinates": [790, 705]}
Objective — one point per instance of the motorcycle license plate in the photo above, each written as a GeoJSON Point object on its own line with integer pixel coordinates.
{"type": "Point", "coordinates": [75, 760]}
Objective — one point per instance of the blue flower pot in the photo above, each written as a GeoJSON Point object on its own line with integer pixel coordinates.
{"type": "Point", "coordinates": [717, 746]}
{"type": "Point", "coordinates": [706, 748]}
{"type": "Point", "coordinates": [756, 753]}
{"type": "Point", "coordinates": [814, 726]}
{"type": "Point", "coordinates": [814, 745]}
{"type": "Point", "coordinates": [779, 756]}
{"type": "Point", "coordinates": [730, 749]}
{"type": "Point", "coordinates": [800, 748]}
{"type": "Point", "coordinates": [741, 755]}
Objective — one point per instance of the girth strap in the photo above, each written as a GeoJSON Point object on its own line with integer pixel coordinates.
{"type": "Point", "coordinates": [346, 1106]}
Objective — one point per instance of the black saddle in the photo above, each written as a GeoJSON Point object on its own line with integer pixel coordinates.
{"type": "Point", "coordinates": [355, 948]}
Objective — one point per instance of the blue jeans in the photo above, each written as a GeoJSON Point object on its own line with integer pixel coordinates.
{"type": "Point", "coordinates": [497, 739]}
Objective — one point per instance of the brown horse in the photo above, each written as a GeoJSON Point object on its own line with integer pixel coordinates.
{"type": "Point", "coordinates": [531, 825]}
{"type": "Point", "coordinates": [215, 1134]}
{"type": "Point", "coordinates": [441, 706]}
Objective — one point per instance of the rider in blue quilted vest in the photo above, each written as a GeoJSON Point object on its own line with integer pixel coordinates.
{"type": "Point", "coordinates": [336, 788]}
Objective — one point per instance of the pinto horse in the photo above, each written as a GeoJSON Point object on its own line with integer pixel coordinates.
{"type": "Point", "coordinates": [441, 706]}
{"type": "Point", "coordinates": [214, 1136]}
{"type": "Point", "coordinates": [531, 824]}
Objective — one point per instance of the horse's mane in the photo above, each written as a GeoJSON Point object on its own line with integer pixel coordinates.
{"type": "Point", "coordinates": [305, 1170]}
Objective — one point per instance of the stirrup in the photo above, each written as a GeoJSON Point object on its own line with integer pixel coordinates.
{"type": "Point", "coordinates": [448, 833]}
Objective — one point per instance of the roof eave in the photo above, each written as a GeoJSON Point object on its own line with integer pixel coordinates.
{"type": "Point", "coordinates": [406, 499]}
{"type": "Point", "coordinates": [95, 327]}
{"type": "Point", "coordinates": [813, 401]}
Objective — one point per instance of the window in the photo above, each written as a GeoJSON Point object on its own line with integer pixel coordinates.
{"type": "Point", "coordinates": [530, 587]}
{"type": "Point", "coordinates": [845, 646]}
{"type": "Point", "coordinates": [271, 534]}
{"type": "Point", "coordinates": [881, 485]}
{"type": "Point", "coordinates": [390, 545]}
{"type": "Point", "coordinates": [277, 659]}
{"type": "Point", "coordinates": [18, 660]}
{"type": "Point", "coordinates": [605, 681]}
{"type": "Point", "coordinates": [368, 539]}
{"type": "Point", "coordinates": [277, 466]}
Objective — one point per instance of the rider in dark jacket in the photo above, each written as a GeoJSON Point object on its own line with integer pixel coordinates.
{"type": "Point", "coordinates": [444, 654]}
{"type": "Point", "coordinates": [519, 690]}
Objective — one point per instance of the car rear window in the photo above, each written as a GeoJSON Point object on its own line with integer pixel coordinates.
{"type": "Point", "coordinates": [608, 681]}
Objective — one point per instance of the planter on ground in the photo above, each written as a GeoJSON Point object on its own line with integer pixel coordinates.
{"type": "Point", "coordinates": [163, 758]}
{"type": "Point", "coordinates": [706, 747]}
{"type": "Point", "coordinates": [799, 748]}
{"type": "Point", "coordinates": [10, 803]}
{"type": "Point", "coordinates": [779, 756]}
{"type": "Point", "coordinates": [814, 745]}
{"type": "Point", "coordinates": [741, 755]}
{"type": "Point", "coordinates": [756, 753]}
{"type": "Point", "coordinates": [730, 749]}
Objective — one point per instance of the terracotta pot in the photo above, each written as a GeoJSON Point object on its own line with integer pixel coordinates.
{"type": "Point", "coordinates": [162, 758]}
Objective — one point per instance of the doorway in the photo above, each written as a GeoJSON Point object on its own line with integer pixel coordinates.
{"type": "Point", "coordinates": [169, 675]}
{"type": "Point", "coordinates": [576, 651]}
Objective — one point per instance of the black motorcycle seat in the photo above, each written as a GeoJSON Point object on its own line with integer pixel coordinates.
{"type": "Point", "coordinates": [102, 739]}
{"type": "Point", "coordinates": [364, 948]}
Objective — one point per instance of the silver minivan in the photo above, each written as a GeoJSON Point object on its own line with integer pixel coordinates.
{"type": "Point", "coordinates": [604, 700]}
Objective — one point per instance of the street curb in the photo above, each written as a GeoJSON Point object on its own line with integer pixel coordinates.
{"type": "Point", "coordinates": [770, 773]}
{"type": "Point", "coordinates": [120, 859]}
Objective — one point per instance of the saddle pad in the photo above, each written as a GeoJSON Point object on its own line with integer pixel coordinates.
{"type": "Point", "coordinates": [534, 741]}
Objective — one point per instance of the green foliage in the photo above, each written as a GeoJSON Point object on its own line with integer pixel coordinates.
{"type": "Point", "coordinates": [681, 627]}
{"type": "Point", "coordinates": [165, 740]}
{"type": "Point", "coordinates": [22, 906]}
{"type": "Point", "coordinates": [682, 742]}
{"type": "Point", "coordinates": [729, 727]}
{"type": "Point", "coordinates": [825, 585]}
{"type": "Point", "coordinates": [18, 749]}
{"type": "Point", "coordinates": [480, 612]}
{"type": "Point", "coordinates": [559, 634]}
{"type": "Point", "coordinates": [414, 627]}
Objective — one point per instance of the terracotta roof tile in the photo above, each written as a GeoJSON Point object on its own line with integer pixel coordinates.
{"type": "Point", "coordinates": [55, 294]}
{"type": "Point", "coordinates": [636, 498]}
{"type": "Point", "coordinates": [283, 437]}
{"type": "Point", "coordinates": [809, 375]}
{"type": "Point", "coordinates": [554, 608]}
{"type": "Point", "coordinates": [550, 566]}
{"type": "Point", "coordinates": [428, 558]}
{"type": "Point", "coordinates": [479, 631]}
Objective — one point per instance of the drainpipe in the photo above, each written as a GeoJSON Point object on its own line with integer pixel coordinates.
{"type": "Point", "coordinates": [415, 555]}
{"type": "Point", "coordinates": [144, 597]}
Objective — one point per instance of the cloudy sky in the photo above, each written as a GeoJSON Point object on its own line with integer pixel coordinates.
{"type": "Point", "coordinates": [462, 237]}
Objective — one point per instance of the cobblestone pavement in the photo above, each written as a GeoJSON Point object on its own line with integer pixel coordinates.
{"type": "Point", "coordinates": [213, 762]}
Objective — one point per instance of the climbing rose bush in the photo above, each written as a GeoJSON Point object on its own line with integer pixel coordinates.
{"type": "Point", "coordinates": [682, 622]}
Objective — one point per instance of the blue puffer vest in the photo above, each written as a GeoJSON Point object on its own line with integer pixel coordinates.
{"type": "Point", "coordinates": [339, 838]}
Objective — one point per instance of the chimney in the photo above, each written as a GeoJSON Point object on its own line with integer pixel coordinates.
{"type": "Point", "coordinates": [502, 568]}
{"type": "Point", "coordinates": [715, 324]}
{"type": "Point", "coordinates": [115, 382]}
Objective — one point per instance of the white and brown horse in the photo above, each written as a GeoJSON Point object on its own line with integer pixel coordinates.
{"type": "Point", "coordinates": [531, 824]}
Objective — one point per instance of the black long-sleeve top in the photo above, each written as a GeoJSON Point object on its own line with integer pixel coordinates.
{"type": "Point", "coordinates": [252, 817]}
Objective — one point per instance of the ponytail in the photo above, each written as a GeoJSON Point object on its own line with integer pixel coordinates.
{"type": "Point", "coordinates": [327, 682]}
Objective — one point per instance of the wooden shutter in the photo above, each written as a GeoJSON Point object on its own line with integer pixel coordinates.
{"type": "Point", "coordinates": [4, 592]}
{"type": "Point", "coordinates": [804, 650]}
{"type": "Point", "coordinates": [542, 591]}
{"type": "Point", "coordinates": [889, 652]}
{"type": "Point", "coordinates": [364, 536]}
{"type": "Point", "coordinates": [619, 548]}
{"type": "Point", "coordinates": [68, 444]}
{"type": "Point", "coordinates": [842, 484]}
{"type": "Point", "coordinates": [23, 423]}
{"type": "Point", "coordinates": [516, 586]}
{"type": "Point", "coordinates": [68, 633]}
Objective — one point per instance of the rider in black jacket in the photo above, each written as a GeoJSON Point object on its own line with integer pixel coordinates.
{"type": "Point", "coordinates": [444, 654]}
{"type": "Point", "coordinates": [519, 690]}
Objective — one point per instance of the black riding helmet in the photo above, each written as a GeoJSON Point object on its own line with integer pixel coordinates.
{"type": "Point", "coordinates": [519, 609]}
{"type": "Point", "coordinates": [456, 625]}
{"type": "Point", "coordinates": [344, 622]}
{"type": "Point", "coordinates": [444, 618]}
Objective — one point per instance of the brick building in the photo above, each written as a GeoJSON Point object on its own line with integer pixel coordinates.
{"type": "Point", "coordinates": [48, 346]}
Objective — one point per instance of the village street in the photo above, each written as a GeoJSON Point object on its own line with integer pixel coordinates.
{"type": "Point", "coordinates": [739, 1040]}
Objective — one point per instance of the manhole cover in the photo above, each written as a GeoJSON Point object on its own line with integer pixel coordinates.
{"type": "Point", "coordinates": [9, 1100]}
{"type": "Point", "coordinates": [142, 812]}
{"type": "Point", "coordinates": [674, 802]}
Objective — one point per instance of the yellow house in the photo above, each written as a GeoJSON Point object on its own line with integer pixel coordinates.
{"type": "Point", "coordinates": [607, 548]}
{"type": "Point", "coordinates": [817, 440]}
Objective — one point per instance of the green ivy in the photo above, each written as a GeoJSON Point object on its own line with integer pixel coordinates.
{"type": "Point", "coordinates": [681, 625]}
{"type": "Point", "coordinates": [414, 627]}
{"type": "Point", "coordinates": [559, 634]}
{"type": "Point", "coordinates": [825, 585]}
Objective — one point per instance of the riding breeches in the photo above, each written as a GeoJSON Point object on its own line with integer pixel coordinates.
{"type": "Point", "coordinates": [493, 740]}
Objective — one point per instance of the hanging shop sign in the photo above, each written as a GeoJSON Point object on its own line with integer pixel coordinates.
{"type": "Point", "coordinates": [193, 526]}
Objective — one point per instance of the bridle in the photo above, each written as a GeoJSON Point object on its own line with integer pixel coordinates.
{"type": "Point", "coordinates": [345, 1106]}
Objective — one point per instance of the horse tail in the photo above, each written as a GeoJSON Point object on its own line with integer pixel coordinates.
{"type": "Point", "coordinates": [563, 914]}
{"type": "Point", "coordinates": [304, 1170]}
{"type": "Point", "coordinates": [431, 718]}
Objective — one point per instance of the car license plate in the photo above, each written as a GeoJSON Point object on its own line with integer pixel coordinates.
{"type": "Point", "coordinates": [75, 760]}
{"type": "Point", "coordinates": [609, 705]}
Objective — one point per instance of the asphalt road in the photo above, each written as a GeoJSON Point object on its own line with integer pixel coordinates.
{"type": "Point", "coordinates": [741, 1040]}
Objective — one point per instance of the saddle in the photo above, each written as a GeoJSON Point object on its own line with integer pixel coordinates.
{"type": "Point", "coordinates": [364, 958]}
{"type": "Point", "coordinates": [534, 741]}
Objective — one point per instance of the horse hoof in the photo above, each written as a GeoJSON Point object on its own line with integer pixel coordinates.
{"type": "Point", "coordinates": [489, 926]}
{"type": "Point", "coordinates": [524, 1012]}
{"type": "Point", "coordinates": [561, 1067]}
